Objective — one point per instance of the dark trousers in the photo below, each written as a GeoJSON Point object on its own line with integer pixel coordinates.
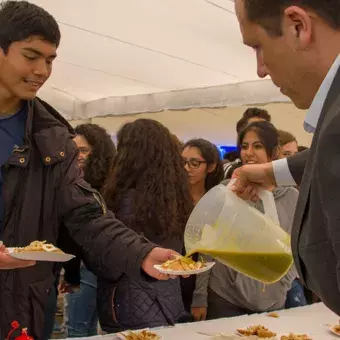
{"type": "Point", "coordinates": [50, 310]}
{"type": "Point", "coordinates": [296, 295]}
{"type": "Point", "coordinates": [220, 308]}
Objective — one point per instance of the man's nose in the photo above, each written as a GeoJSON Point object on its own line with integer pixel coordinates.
{"type": "Point", "coordinates": [41, 69]}
{"type": "Point", "coordinates": [262, 71]}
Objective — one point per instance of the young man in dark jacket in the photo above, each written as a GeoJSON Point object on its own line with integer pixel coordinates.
{"type": "Point", "coordinates": [43, 195]}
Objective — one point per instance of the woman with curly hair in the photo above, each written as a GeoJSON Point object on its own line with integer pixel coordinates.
{"type": "Point", "coordinates": [96, 156]}
{"type": "Point", "coordinates": [96, 153]}
{"type": "Point", "coordinates": [148, 190]}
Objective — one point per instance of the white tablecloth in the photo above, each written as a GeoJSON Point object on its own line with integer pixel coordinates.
{"type": "Point", "coordinates": [311, 320]}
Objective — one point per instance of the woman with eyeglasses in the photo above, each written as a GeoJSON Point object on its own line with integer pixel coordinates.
{"type": "Point", "coordinates": [203, 165]}
{"type": "Point", "coordinates": [224, 292]}
{"type": "Point", "coordinates": [205, 170]}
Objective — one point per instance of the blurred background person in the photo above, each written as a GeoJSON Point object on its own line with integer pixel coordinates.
{"type": "Point", "coordinates": [205, 170]}
{"type": "Point", "coordinates": [288, 144]}
{"type": "Point", "coordinates": [97, 152]}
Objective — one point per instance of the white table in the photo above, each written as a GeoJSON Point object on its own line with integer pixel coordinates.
{"type": "Point", "coordinates": [311, 320]}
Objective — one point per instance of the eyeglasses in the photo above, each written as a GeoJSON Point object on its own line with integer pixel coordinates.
{"type": "Point", "coordinates": [193, 163]}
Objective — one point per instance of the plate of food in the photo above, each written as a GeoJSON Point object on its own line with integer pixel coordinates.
{"type": "Point", "coordinates": [335, 329]}
{"type": "Point", "coordinates": [256, 332]}
{"type": "Point", "coordinates": [40, 251]}
{"type": "Point", "coordinates": [182, 265]}
{"type": "Point", "coordinates": [292, 336]}
{"type": "Point", "coordinates": [145, 334]}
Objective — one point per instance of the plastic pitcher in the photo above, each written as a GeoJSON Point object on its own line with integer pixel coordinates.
{"type": "Point", "coordinates": [229, 229]}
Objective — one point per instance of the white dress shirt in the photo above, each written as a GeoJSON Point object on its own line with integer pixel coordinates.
{"type": "Point", "coordinates": [282, 173]}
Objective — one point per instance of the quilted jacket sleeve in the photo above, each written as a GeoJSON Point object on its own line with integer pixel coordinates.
{"type": "Point", "coordinates": [109, 248]}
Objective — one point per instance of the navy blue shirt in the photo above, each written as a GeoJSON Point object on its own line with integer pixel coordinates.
{"type": "Point", "coordinates": [12, 133]}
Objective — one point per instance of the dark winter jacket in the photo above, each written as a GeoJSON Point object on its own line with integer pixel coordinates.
{"type": "Point", "coordinates": [135, 303]}
{"type": "Point", "coordinates": [46, 198]}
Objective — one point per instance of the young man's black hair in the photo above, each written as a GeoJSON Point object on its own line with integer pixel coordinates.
{"type": "Point", "coordinates": [21, 20]}
{"type": "Point", "coordinates": [252, 112]}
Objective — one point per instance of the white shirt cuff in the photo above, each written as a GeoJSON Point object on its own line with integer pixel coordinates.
{"type": "Point", "coordinates": [283, 176]}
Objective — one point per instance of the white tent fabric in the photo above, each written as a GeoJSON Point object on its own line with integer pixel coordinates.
{"type": "Point", "coordinates": [126, 56]}
{"type": "Point", "coordinates": [215, 124]}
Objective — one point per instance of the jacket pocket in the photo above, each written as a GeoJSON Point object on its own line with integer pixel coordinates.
{"type": "Point", "coordinates": [113, 307]}
{"type": "Point", "coordinates": [106, 306]}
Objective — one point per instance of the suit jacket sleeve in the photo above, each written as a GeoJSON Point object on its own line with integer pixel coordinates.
{"type": "Point", "coordinates": [110, 249]}
{"type": "Point", "coordinates": [297, 164]}
{"type": "Point", "coordinates": [328, 180]}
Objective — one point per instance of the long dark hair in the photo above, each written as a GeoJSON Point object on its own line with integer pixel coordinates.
{"type": "Point", "coordinates": [267, 134]}
{"type": "Point", "coordinates": [149, 161]}
{"type": "Point", "coordinates": [100, 160]}
{"type": "Point", "coordinates": [211, 155]}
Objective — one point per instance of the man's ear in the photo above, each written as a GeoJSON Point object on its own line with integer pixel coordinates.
{"type": "Point", "coordinates": [2, 55]}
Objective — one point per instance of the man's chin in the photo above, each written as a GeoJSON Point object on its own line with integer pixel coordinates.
{"type": "Point", "coordinates": [27, 95]}
{"type": "Point", "coordinates": [301, 103]}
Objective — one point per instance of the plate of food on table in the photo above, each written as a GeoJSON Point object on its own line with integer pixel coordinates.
{"type": "Point", "coordinates": [144, 334]}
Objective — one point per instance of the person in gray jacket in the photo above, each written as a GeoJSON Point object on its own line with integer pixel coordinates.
{"type": "Point", "coordinates": [223, 292]}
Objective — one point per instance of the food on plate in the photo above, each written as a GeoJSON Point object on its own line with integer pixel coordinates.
{"type": "Point", "coordinates": [143, 335]}
{"type": "Point", "coordinates": [257, 330]}
{"type": "Point", "coordinates": [273, 315]}
{"type": "Point", "coordinates": [181, 263]}
{"type": "Point", "coordinates": [39, 246]}
{"type": "Point", "coordinates": [292, 336]}
{"type": "Point", "coordinates": [335, 329]}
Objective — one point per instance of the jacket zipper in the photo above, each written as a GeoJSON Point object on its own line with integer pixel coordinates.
{"type": "Point", "coordinates": [18, 189]}
{"type": "Point", "coordinates": [97, 198]}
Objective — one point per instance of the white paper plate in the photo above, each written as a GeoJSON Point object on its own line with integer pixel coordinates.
{"type": "Point", "coordinates": [220, 336]}
{"type": "Point", "coordinates": [253, 337]}
{"type": "Point", "coordinates": [208, 266]}
{"type": "Point", "coordinates": [120, 335]}
{"type": "Point", "coordinates": [331, 328]}
{"type": "Point", "coordinates": [40, 256]}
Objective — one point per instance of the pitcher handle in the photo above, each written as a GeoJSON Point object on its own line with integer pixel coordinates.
{"type": "Point", "coordinates": [269, 205]}
{"type": "Point", "coordinates": [268, 202]}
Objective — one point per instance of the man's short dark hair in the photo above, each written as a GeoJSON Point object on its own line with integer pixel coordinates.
{"type": "Point", "coordinates": [251, 113]}
{"type": "Point", "coordinates": [268, 13]}
{"type": "Point", "coordinates": [20, 20]}
{"type": "Point", "coordinates": [286, 137]}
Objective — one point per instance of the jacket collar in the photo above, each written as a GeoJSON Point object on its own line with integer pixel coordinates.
{"type": "Point", "coordinates": [49, 132]}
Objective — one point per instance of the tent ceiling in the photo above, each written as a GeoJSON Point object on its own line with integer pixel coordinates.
{"type": "Point", "coordinates": [117, 48]}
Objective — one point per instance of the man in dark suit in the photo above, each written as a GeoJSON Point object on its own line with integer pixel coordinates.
{"type": "Point", "coordinates": [297, 43]}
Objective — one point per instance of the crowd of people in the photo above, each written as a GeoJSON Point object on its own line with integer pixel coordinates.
{"type": "Point", "coordinates": [123, 209]}
{"type": "Point", "coordinates": [151, 181]}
